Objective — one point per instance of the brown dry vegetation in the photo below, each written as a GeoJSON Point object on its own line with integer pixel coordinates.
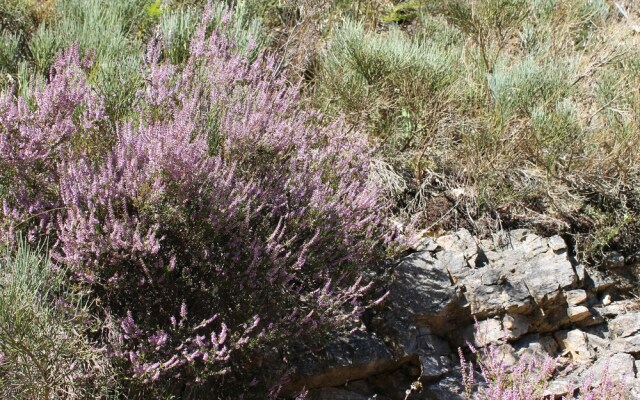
{"type": "Point", "coordinates": [489, 113]}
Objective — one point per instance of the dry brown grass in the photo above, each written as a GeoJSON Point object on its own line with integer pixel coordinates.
{"type": "Point", "coordinates": [535, 122]}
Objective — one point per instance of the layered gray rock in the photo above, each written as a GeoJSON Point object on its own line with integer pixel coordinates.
{"type": "Point", "coordinates": [514, 273]}
{"type": "Point", "coordinates": [529, 298]}
{"type": "Point", "coordinates": [422, 289]}
{"type": "Point", "coordinates": [356, 356]}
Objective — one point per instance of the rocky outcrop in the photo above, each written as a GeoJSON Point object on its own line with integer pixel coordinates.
{"type": "Point", "coordinates": [526, 292]}
{"type": "Point", "coordinates": [422, 289]}
{"type": "Point", "coordinates": [357, 356]}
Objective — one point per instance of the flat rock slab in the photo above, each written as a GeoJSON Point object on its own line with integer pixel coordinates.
{"type": "Point", "coordinates": [357, 356]}
{"type": "Point", "coordinates": [512, 273]}
{"type": "Point", "coordinates": [422, 289]}
{"type": "Point", "coordinates": [625, 325]}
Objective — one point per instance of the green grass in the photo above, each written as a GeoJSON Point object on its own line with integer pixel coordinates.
{"type": "Point", "coordinates": [390, 83]}
{"type": "Point", "coordinates": [529, 105]}
{"type": "Point", "coordinates": [114, 33]}
{"type": "Point", "coordinates": [43, 323]}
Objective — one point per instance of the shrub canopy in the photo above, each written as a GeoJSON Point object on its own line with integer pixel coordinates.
{"type": "Point", "coordinates": [223, 220]}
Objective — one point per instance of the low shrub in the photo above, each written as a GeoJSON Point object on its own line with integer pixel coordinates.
{"type": "Point", "coordinates": [16, 16]}
{"type": "Point", "coordinates": [112, 31]}
{"type": "Point", "coordinates": [396, 86]}
{"type": "Point", "coordinates": [18, 20]}
{"type": "Point", "coordinates": [528, 379]}
{"type": "Point", "coordinates": [44, 350]}
{"type": "Point", "coordinates": [225, 222]}
{"type": "Point", "coordinates": [525, 106]}
{"type": "Point", "coordinates": [37, 134]}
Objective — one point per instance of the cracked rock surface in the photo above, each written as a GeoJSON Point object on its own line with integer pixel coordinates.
{"type": "Point", "coordinates": [528, 294]}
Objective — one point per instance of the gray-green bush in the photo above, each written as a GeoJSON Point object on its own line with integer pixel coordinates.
{"type": "Point", "coordinates": [44, 350]}
{"type": "Point", "coordinates": [394, 85]}
{"type": "Point", "coordinates": [529, 105]}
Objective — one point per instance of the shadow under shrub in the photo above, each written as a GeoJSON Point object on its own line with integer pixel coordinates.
{"type": "Point", "coordinates": [225, 223]}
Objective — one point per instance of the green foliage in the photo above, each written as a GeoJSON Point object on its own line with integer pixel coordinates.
{"type": "Point", "coordinates": [43, 351]}
{"type": "Point", "coordinates": [177, 25]}
{"type": "Point", "coordinates": [17, 21]}
{"type": "Point", "coordinates": [9, 51]}
{"type": "Point", "coordinates": [154, 9]}
{"type": "Point", "coordinates": [553, 131]}
{"type": "Point", "coordinates": [115, 33]}
{"type": "Point", "coordinates": [589, 14]}
{"type": "Point", "coordinates": [518, 88]}
{"type": "Point", "coordinates": [608, 226]}
{"type": "Point", "coordinates": [106, 28]}
{"type": "Point", "coordinates": [528, 103]}
{"type": "Point", "coordinates": [388, 81]}
{"type": "Point", "coordinates": [489, 23]}
{"type": "Point", "coordinates": [109, 31]}
{"type": "Point", "coordinates": [478, 17]}
{"type": "Point", "coordinates": [401, 13]}
{"type": "Point", "coordinates": [15, 16]}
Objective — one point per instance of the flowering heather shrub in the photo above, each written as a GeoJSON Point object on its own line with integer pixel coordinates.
{"type": "Point", "coordinates": [36, 134]}
{"type": "Point", "coordinates": [223, 224]}
{"type": "Point", "coordinates": [528, 379]}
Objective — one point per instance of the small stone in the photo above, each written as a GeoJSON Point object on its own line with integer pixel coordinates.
{"type": "Point", "coordinates": [422, 288]}
{"type": "Point", "coordinates": [461, 241]}
{"type": "Point", "coordinates": [536, 345]}
{"type": "Point", "coordinates": [433, 367]}
{"type": "Point", "coordinates": [606, 299]}
{"type": "Point", "coordinates": [613, 259]}
{"type": "Point", "coordinates": [515, 325]}
{"type": "Point", "coordinates": [598, 281]}
{"type": "Point", "coordinates": [354, 357]}
{"type": "Point", "coordinates": [557, 243]}
{"type": "Point", "coordinates": [489, 331]}
{"type": "Point", "coordinates": [535, 245]}
{"type": "Point", "coordinates": [492, 277]}
{"type": "Point", "coordinates": [575, 297]}
{"type": "Point", "coordinates": [594, 319]}
{"type": "Point", "coordinates": [629, 344]}
{"type": "Point", "coordinates": [581, 273]}
{"type": "Point", "coordinates": [455, 263]}
{"type": "Point", "coordinates": [424, 244]}
{"type": "Point", "coordinates": [433, 353]}
{"type": "Point", "coordinates": [557, 389]}
{"type": "Point", "coordinates": [508, 355]}
{"type": "Point", "coordinates": [519, 234]}
{"type": "Point", "coordinates": [546, 275]}
{"type": "Point", "coordinates": [619, 367]}
{"type": "Point", "coordinates": [625, 325]}
{"type": "Point", "coordinates": [578, 313]}
{"type": "Point", "coordinates": [619, 307]}
{"type": "Point", "coordinates": [599, 341]}
{"type": "Point", "coordinates": [575, 343]}
{"type": "Point", "coordinates": [448, 388]}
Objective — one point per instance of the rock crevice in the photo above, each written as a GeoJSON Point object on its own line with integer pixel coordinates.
{"type": "Point", "coordinates": [521, 291]}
